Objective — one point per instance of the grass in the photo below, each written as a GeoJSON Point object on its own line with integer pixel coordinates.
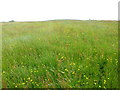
{"type": "Point", "coordinates": [0, 55]}
{"type": "Point", "coordinates": [60, 54]}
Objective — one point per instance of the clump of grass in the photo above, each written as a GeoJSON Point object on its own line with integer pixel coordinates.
{"type": "Point", "coordinates": [60, 54]}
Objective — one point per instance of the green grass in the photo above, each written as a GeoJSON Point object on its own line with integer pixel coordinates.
{"type": "Point", "coordinates": [60, 54]}
{"type": "Point", "coordinates": [0, 55]}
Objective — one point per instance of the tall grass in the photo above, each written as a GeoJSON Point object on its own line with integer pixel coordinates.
{"type": "Point", "coordinates": [0, 55]}
{"type": "Point", "coordinates": [60, 54]}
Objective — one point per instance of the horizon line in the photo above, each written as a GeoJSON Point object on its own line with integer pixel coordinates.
{"type": "Point", "coordinates": [58, 20]}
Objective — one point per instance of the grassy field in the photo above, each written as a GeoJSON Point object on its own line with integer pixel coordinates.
{"type": "Point", "coordinates": [60, 54]}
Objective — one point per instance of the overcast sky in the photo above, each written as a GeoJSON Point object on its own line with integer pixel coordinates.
{"type": "Point", "coordinates": [40, 10]}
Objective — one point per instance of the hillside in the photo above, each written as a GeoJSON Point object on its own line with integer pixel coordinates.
{"type": "Point", "coordinates": [60, 54]}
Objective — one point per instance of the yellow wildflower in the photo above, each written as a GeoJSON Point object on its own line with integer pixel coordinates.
{"type": "Point", "coordinates": [23, 83]}
{"type": "Point", "coordinates": [37, 84]}
{"type": "Point", "coordinates": [86, 82]}
{"type": "Point", "coordinates": [104, 87]}
{"type": "Point", "coordinates": [3, 72]}
{"type": "Point", "coordinates": [73, 72]}
{"type": "Point", "coordinates": [73, 63]}
{"type": "Point", "coordinates": [104, 81]}
{"type": "Point", "coordinates": [66, 70]}
{"type": "Point", "coordinates": [31, 71]}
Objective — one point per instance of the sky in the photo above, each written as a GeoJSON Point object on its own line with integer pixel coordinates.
{"type": "Point", "coordinates": [41, 10]}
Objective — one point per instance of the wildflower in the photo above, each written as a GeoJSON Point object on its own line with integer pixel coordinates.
{"type": "Point", "coordinates": [23, 83]}
{"type": "Point", "coordinates": [62, 57]}
{"type": "Point", "coordinates": [29, 78]}
{"type": "Point", "coordinates": [102, 56]}
{"type": "Point", "coordinates": [104, 81]}
{"type": "Point", "coordinates": [62, 72]}
{"type": "Point", "coordinates": [15, 86]}
{"type": "Point", "coordinates": [73, 72]}
{"type": "Point", "coordinates": [73, 63]}
{"type": "Point", "coordinates": [37, 84]}
{"type": "Point", "coordinates": [78, 69]}
{"type": "Point", "coordinates": [95, 80]}
{"type": "Point", "coordinates": [87, 58]}
{"type": "Point", "coordinates": [100, 86]}
{"type": "Point", "coordinates": [66, 70]}
{"type": "Point", "coordinates": [95, 83]}
{"type": "Point", "coordinates": [104, 87]}
{"type": "Point", "coordinates": [108, 78]}
{"type": "Point", "coordinates": [86, 82]}
{"type": "Point", "coordinates": [86, 77]}
{"type": "Point", "coordinates": [3, 72]}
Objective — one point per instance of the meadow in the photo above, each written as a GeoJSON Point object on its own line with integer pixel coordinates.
{"type": "Point", "coordinates": [60, 54]}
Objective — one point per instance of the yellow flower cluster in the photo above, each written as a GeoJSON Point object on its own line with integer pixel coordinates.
{"type": "Point", "coordinates": [104, 81]}
{"type": "Point", "coordinates": [34, 70]}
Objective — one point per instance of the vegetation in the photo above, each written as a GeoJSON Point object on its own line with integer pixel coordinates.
{"type": "Point", "coordinates": [60, 54]}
